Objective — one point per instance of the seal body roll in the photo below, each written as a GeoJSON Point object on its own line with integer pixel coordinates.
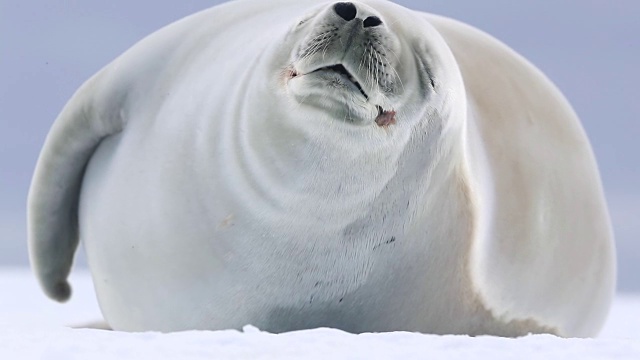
{"type": "Point", "coordinates": [297, 164]}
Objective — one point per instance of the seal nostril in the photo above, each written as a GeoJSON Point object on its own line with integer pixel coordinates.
{"type": "Point", "coordinates": [345, 10]}
{"type": "Point", "coordinates": [372, 21]}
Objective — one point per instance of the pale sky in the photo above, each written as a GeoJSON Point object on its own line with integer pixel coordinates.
{"type": "Point", "coordinates": [589, 48]}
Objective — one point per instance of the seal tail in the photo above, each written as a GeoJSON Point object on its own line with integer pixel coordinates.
{"type": "Point", "coordinates": [52, 214]}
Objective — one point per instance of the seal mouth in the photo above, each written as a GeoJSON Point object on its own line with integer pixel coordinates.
{"type": "Point", "coordinates": [384, 118]}
{"type": "Point", "coordinates": [340, 69]}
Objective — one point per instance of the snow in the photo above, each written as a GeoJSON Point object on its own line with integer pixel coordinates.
{"type": "Point", "coordinates": [33, 327]}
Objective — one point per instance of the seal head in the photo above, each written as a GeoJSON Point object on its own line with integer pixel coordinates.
{"type": "Point", "coordinates": [350, 61]}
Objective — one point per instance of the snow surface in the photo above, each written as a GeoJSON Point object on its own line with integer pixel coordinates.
{"type": "Point", "coordinates": [33, 327]}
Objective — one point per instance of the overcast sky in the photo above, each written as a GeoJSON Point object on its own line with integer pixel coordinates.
{"type": "Point", "coordinates": [589, 48]}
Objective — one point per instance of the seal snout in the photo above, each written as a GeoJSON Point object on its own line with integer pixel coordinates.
{"type": "Point", "coordinates": [347, 60]}
{"type": "Point", "coordinates": [345, 10]}
{"type": "Point", "coordinates": [348, 11]}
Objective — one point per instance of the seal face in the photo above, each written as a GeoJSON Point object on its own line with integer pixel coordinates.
{"type": "Point", "coordinates": [355, 56]}
{"type": "Point", "coordinates": [354, 63]}
{"type": "Point", "coordinates": [364, 167]}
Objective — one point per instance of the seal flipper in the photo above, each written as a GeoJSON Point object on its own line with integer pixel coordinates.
{"type": "Point", "coordinates": [546, 252]}
{"type": "Point", "coordinates": [55, 188]}
{"type": "Point", "coordinates": [96, 111]}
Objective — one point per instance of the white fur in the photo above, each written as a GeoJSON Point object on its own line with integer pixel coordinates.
{"type": "Point", "coordinates": [225, 191]}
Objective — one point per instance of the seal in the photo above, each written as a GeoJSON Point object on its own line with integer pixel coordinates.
{"type": "Point", "coordinates": [297, 164]}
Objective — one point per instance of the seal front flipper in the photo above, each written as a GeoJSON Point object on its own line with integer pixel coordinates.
{"type": "Point", "coordinates": [98, 110]}
{"type": "Point", "coordinates": [55, 187]}
{"type": "Point", "coordinates": [544, 249]}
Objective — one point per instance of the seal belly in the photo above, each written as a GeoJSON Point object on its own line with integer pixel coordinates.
{"type": "Point", "coordinates": [145, 254]}
{"type": "Point", "coordinates": [185, 266]}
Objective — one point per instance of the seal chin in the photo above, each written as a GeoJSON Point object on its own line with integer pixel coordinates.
{"type": "Point", "coordinates": [339, 75]}
{"type": "Point", "coordinates": [335, 88]}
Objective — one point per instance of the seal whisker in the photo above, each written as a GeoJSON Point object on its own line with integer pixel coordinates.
{"type": "Point", "coordinates": [395, 73]}
{"type": "Point", "coordinates": [379, 69]}
{"type": "Point", "coordinates": [393, 52]}
{"type": "Point", "coordinates": [324, 51]}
